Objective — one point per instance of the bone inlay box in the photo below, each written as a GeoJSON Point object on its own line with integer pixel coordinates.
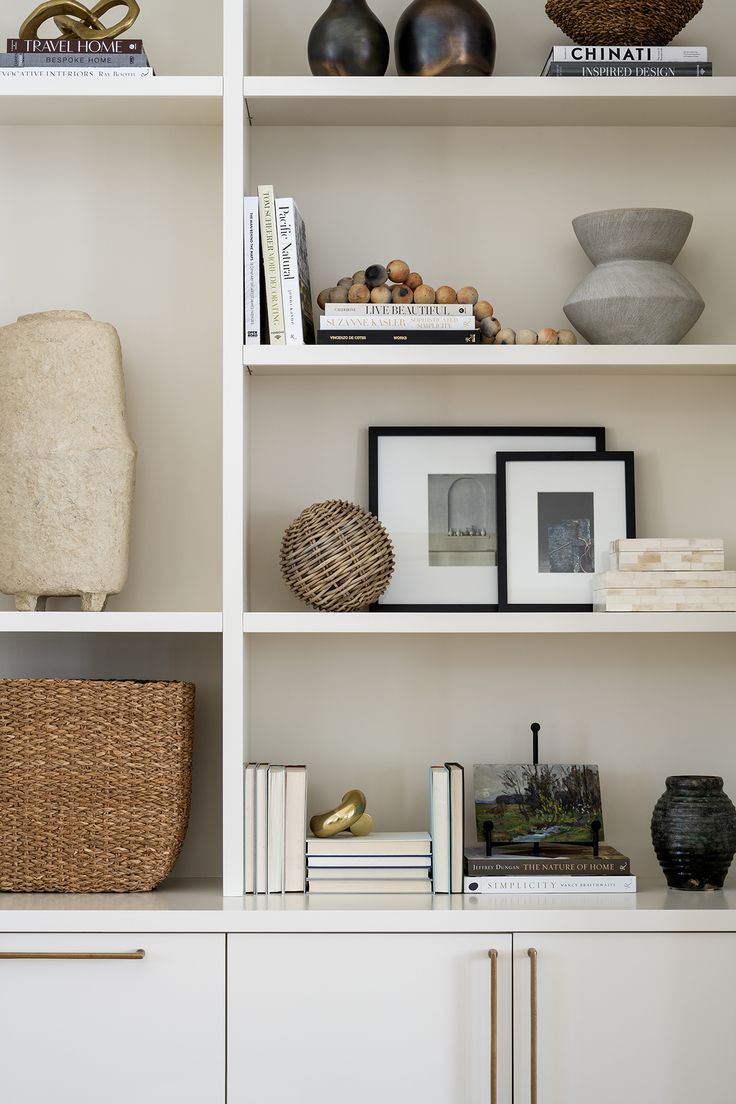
{"type": "Point", "coordinates": [668, 554]}
{"type": "Point", "coordinates": [711, 600]}
{"type": "Point", "coordinates": [661, 580]}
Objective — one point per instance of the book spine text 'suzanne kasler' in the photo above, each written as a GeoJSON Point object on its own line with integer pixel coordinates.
{"type": "Point", "coordinates": [270, 247]}
{"type": "Point", "coordinates": [630, 69]}
{"type": "Point", "coordinates": [481, 867]}
{"type": "Point", "coordinates": [372, 322]}
{"type": "Point", "coordinates": [75, 46]}
{"type": "Point", "coordinates": [391, 337]}
{"type": "Point", "coordinates": [562, 884]}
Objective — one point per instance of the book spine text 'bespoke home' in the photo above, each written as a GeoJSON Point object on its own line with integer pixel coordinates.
{"type": "Point", "coordinates": [269, 245]}
{"type": "Point", "coordinates": [73, 61]}
{"type": "Point", "coordinates": [75, 46]}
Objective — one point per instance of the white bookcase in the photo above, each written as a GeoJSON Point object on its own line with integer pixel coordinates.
{"type": "Point", "coordinates": [127, 202]}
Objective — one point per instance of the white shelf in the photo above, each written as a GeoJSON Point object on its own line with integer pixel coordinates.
{"type": "Point", "coordinates": [73, 100]}
{"type": "Point", "coordinates": [494, 101]}
{"type": "Point", "coordinates": [489, 623]}
{"type": "Point", "coordinates": [76, 622]}
{"type": "Point", "coordinates": [531, 360]}
{"type": "Point", "coordinates": [198, 906]}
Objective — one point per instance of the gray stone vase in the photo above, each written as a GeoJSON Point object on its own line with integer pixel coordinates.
{"type": "Point", "coordinates": [67, 463]}
{"type": "Point", "coordinates": [694, 832]}
{"type": "Point", "coordinates": [634, 296]}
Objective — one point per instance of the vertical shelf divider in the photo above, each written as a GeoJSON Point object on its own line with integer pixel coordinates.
{"type": "Point", "coordinates": [233, 481]}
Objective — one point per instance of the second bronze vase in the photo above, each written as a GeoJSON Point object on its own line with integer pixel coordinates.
{"type": "Point", "coordinates": [445, 38]}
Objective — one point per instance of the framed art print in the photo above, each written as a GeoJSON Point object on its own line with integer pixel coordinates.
{"type": "Point", "coordinates": [434, 489]}
{"type": "Point", "coordinates": [557, 514]}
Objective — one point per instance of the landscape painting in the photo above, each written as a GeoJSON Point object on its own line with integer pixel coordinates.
{"type": "Point", "coordinates": [542, 803]}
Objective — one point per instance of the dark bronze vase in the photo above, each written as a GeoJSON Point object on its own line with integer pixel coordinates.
{"type": "Point", "coordinates": [348, 40]}
{"type": "Point", "coordinates": [694, 832]}
{"type": "Point", "coordinates": [445, 38]}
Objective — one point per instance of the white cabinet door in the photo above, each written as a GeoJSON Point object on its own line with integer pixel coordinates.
{"type": "Point", "coordinates": [645, 1018]}
{"type": "Point", "coordinates": [115, 1030]}
{"type": "Point", "coordinates": [373, 1019]}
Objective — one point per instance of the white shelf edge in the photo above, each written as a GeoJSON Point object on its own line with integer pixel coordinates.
{"type": "Point", "coordinates": [198, 906]}
{"type": "Point", "coordinates": [494, 101]}
{"type": "Point", "coordinates": [635, 360]}
{"type": "Point", "coordinates": [110, 622]}
{"type": "Point", "coordinates": [488, 623]}
{"type": "Point", "coordinates": [73, 100]}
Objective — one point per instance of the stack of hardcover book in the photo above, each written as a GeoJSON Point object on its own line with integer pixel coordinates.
{"type": "Point", "coordinates": [275, 828]}
{"type": "Point", "coordinates": [514, 868]}
{"type": "Point", "coordinates": [447, 826]}
{"type": "Point", "coordinates": [397, 324]}
{"type": "Point", "coordinates": [278, 294]}
{"type": "Point", "coordinates": [116, 57]}
{"type": "Point", "coordinates": [383, 862]}
{"type": "Point", "coordinates": [628, 61]}
{"type": "Point", "coordinates": [667, 575]}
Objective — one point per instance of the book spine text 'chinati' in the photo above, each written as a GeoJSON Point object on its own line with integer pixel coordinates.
{"type": "Point", "coordinates": [269, 245]}
{"type": "Point", "coordinates": [252, 264]}
{"type": "Point", "coordinates": [73, 61]}
{"type": "Point", "coordinates": [75, 46]}
{"type": "Point", "coordinates": [391, 337]}
{"type": "Point", "coordinates": [620, 69]}
{"type": "Point", "coordinates": [628, 53]}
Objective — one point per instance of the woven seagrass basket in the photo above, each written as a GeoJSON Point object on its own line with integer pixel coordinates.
{"type": "Point", "coordinates": [95, 783]}
{"type": "Point", "coordinates": [622, 22]}
{"type": "Point", "coordinates": [337, 557]}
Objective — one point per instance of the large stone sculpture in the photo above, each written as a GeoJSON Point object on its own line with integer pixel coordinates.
{"type": "Point", "coordinates": [67, 463]}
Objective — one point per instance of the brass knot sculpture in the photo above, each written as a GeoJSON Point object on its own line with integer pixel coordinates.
{"type": "Point", "coordinates": [76, 20]}
{"type": "Point", "coordinates": [349, 815]}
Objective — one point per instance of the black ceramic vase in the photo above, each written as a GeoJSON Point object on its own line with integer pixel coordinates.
{"type": "Point", "coordinates": [348, 40]}
{"type": "Point", "coordinates": [694, 832]}
{"type": "Point", "coordinates": [445, 38]}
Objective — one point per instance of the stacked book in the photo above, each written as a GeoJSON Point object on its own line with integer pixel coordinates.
{"type": "Point", "coordinates": [275, 828]}
{"type": "Point", "coordinates": [278, 294]}
{"type": "Point", "coordinates": [90, 57]}
{"type": "Point", "coordinates": [628, 61]}
{"type": "Point", "coordinates": [666, 576]}
{"type": "Point", "coordinates": [514, 868]}
{"type": "Point", "coordinates": [383, 862]}
{"type": "Point", "coordinates": [397, 324]}
{"type": "Point", "coordinates": [447, 826]}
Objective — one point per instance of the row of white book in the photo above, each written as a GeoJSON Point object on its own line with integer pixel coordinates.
{"type": "Point", "coordinates": [383, 862]}
{"type": "Point", "coordinates": [275, 828]}
{"type": "Point", "coordinates": [447, 826]}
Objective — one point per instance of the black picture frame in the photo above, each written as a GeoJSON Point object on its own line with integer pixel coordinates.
{"type": "Point", "coordinates": [502, 462]}
{"type": "Point", "coordinates": [376, 433]}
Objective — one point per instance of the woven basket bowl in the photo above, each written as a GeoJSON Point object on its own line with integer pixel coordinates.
{"type": "Point", "coordinates": [337, 556]}
{"type": "Point", "coordinates": [95, 783]}
{"type": "Point", "coordinates": [622, 22]}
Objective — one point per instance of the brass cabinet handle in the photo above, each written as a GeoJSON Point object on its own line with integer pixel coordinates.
{"type": "Point", "coordinates": [493, 956]}
{"type": "Point", "coordinates": [106, 956]}
{"type": "Point", "coordinates": [534, 1022]}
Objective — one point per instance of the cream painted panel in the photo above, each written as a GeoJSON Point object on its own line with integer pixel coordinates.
{"type": "Point", "coordinates": [371, 1017]}
{"type": "Point", "coordinates": [80, 1032]}
{"type": "Point", "coordinates": [125, 223]}
{"type": "Point", "coordinates": [626, 1018]}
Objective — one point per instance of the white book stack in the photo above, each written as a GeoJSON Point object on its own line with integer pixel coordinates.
{"type": "Point", "coordinates": [447, 826]}
{"type": "Point", "coordinates": [275, 828]}
{"type": "Point", "coordinates": [383, 862]}
{"type": "Point", "coordinates": [667, 575]}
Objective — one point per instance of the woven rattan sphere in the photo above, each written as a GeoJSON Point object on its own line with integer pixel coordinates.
{"type": "Point", "coordinates": [336, 556]}
{"type": "Point", "coordinates": [618, 22]}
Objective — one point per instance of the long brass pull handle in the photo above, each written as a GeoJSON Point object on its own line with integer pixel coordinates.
{"type": "Point", "coordinates": [533, 1014]}
{"type": "Point", "coordinates": [106, 956]}
{"type": "Point", "coordinates": [493, 956]}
